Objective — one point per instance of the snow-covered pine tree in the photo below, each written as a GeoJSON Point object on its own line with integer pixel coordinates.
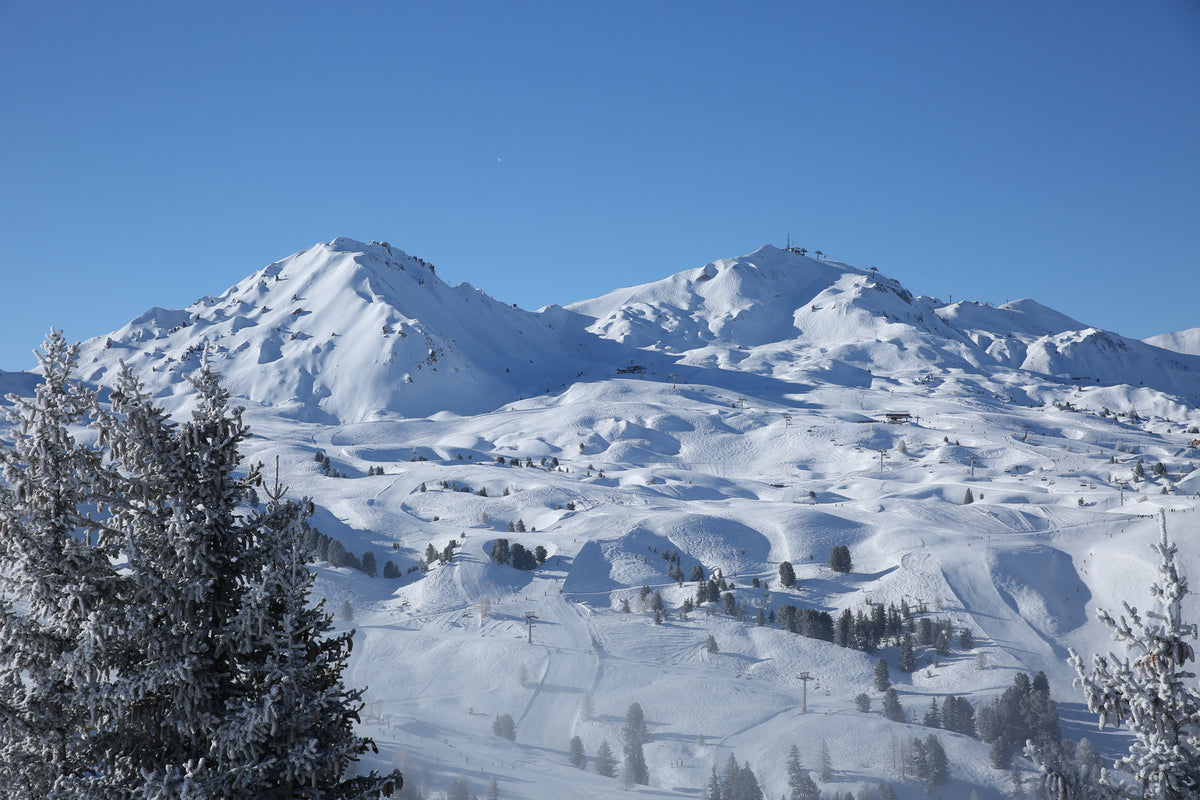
{"type": "Point", "coordinates": [53, 584]}
{"type": "Point", "coordinates": [293, 696]}
{"type": "Point", "coordinates": [184, 645]}
{"type": "Point", "coordinates": [1153, 693]}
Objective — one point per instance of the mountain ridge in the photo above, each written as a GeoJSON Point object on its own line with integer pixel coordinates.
{"type": "Point", "coordinates": [289, 331]}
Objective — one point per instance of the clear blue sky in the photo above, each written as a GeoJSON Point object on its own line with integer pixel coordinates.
{"type": "Point", "coordinates": [153, 152]}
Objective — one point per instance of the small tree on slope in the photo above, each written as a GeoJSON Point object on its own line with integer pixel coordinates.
{"type": "Point", "coordinates": [1153, 693]}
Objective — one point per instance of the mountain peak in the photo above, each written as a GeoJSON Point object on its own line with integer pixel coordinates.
{"type": "Point", "coordinates": [345, 331]}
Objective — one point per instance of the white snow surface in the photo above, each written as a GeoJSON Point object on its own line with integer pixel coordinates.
{"type": "Point", "coordinates": [733, 414]}
{"type": "Point", "coordinates": [1187, 341]}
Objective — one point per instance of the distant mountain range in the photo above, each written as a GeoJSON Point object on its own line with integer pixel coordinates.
{"type": "Point", "coordinates": [349, 331]}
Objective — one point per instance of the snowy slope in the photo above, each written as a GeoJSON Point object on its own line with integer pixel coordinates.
{"type": "Point", "coordinates": [745, 429]}
{"type": "Point", "coordinates": [1187, 341]}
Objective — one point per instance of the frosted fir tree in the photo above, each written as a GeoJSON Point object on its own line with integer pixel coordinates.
{"type": "Point", "coordinates": [54, 581]}
{"type": "Point", "coordinates": [189, 662]}
{"type": "Point", "coordinates": [189, 550]}
{"type": "Point", "coordinates": [293, 727]}
{"type": "Point", "coordinates": [1149, 689]}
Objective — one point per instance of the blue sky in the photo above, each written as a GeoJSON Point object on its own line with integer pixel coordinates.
{"type": "Point", "coordinates": [154, 152]}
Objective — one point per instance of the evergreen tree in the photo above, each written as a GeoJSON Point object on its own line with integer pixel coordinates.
{"type": "Point", "coordinates": [575, 754]}
{"type": "Point", "coordinates": [213, 675]}
{"type": "Point", "coordinates": [522, 558]}
{"type": "Point", "coordinates": [800, 785]}
{"type": "Point", "coordinates": [958, 715]}
{"type": "Point", "coordinates": [824, 764]}
{"type": "Point", "coordinates": [500, 553]}
{"type": "Point", "coordinates": [787, 574]}
{"type": "Point", "coordinates": [713, 790]}
{"type": "Point", "coordinates": [1021, 714]}
{"type": "Point", "coordinates": [1153, 693]}
{"type": "Point", "coordinates": [938, 764]}
{"type": "Point", "coordinates": [634, 734]}
{"type": "Point", "coordinates": [60, 576]}
{"type": "Point", "coordinates": [337, 556]}
{"type": "Point", "coordinates": [745, 785]}
{"type": "Point", "coordinates": [293, 667]}
{"type": "Point", "coordinates": [843, 633]}
{"type": "Point", "coordinates": [729, 604]}
{"type": "Point", "coordinates": [390, 570]}
{"type": "Point", "coordinates": [908, 659]}
{"type": "Point", "coordinates": [710, 644]}
{"type": "Point", "coordinates": [883, 678]}
{"type": "Point", "coordinates": [968, 498]}
{"type": "Point", "coordinates": [604, 764]}
{"type": "Point", "coordinates": [933, 717]}
{"type": "Point", "coordinates": [504, 727]}
{"type": "Point", "coordinates": [918, 760]}
{"type": "Point", "coordinates": [891, 706]}
{"type": "Point", "coordinates": [839, 558]}
{"type": "Point", "coordinates": [368, 564]}
{"type": "Point", "coordinates": [728, 776]}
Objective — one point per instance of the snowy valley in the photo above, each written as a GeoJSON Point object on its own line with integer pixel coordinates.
{"type": "Point", "coordinates": [996, 470]}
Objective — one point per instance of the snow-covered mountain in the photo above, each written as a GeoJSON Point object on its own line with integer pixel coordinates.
{"type": "Point", "coordinates": [1186, 341]}
{"type": "Point", "coordinates": [783, 314]}
{"type": "Point", "coordinates": [727, 418]}
{"type": "Point", "coordinates": [347, 331]}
